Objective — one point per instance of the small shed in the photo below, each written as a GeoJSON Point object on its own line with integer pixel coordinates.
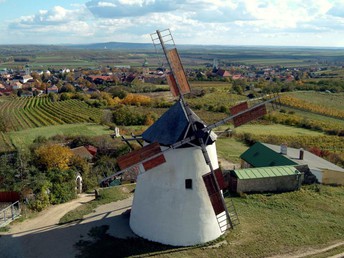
{"type": "Point", "coordinates": [265, 179]}
{"type": "Point", "coordinates": [82, 152]}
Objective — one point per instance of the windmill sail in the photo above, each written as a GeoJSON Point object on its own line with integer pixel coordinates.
{"type": "Point", "coordinates": [213, 192]}
{"type": "Point", "coordinates": [177, 77]}
{"type": "Point", "coordinates": [142, 156]}
{"type": "Point", "coordinates": [239, 108]}
{"type": "Point", "coordinates": [246, 117]}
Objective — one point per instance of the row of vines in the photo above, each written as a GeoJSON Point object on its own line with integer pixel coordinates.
{"type": "Point", "coordinates": [5, 143]}
{"type": "Point", "coordinates": [291, 119]}
{"type": "Point", "coordinates": [24, 113]}
{"type": "Point", "coordinates": [308, 106]}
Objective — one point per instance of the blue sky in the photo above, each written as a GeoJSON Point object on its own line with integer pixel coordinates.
{"type": "Point", "coordinates": [220, 22]}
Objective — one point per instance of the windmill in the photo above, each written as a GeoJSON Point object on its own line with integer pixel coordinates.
{"type": "Point", "coordinates": [178, 197]}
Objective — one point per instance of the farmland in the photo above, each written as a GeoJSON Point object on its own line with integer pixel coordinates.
{"type": "Point", "coordinates": [24, 113]}
{"type": "Point", "coordinates": [19, 115]}
{"type": "Point", "coordinates": [22, 139]}
{"type": "Point", "coordinates": [44, 57]}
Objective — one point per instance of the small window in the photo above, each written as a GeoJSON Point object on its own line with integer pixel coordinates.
{"type": "Point", "coordinates": [188, 183]}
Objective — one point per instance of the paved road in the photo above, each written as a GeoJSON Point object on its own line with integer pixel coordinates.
{"type": "Point", "coordinates": [43, 237]}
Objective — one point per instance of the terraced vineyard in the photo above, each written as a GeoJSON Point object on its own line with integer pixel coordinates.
{"type": "Point", "coordinates": [32, 112]}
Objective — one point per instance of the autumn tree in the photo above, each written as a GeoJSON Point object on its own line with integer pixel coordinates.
{"type": "Point", "coordinates": [53, 156]}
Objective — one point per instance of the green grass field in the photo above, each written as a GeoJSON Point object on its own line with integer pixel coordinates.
{"type": "Point", "coordinates": [22, 139]}
{"type": "Point", "coordinates": [275, 129]}
{"type": "Point", "coordinates": [270, 224]}
{"type": "Point", "coordinates": [230, 149]}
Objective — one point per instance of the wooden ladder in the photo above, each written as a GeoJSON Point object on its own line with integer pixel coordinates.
{"type": "Point", "coordinates": [233, 216]}
{"type": "Point", "coordinates": [222, 221]}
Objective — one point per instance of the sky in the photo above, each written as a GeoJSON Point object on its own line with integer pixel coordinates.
{"type": "Point", "coordinates": [202, 22]}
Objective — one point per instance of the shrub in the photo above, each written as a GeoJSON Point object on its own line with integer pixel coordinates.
{"type": "Point", "coordinates": [126, 116]}
{"type": "Point", "coordinates": [137, 100]}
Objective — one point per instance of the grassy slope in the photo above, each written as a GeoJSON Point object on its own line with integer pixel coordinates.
{"type": "Point", "coordinates": [230, 149]}
{"type": "Point", "coordinates": [24, 138]}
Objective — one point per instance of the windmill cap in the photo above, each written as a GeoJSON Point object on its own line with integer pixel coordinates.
{"type": "Point", "coordinates": [173, 125]}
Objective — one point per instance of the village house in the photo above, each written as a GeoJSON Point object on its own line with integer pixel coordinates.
{"type": "Point", "coordinates": [100, 79]}
{"type": "Point", "coordinates": [25, 78]}
{"type": "Point", "coordinates": [83, 152]}
{"type": "Point", "coordinates": [16, 85]}
{"type": "Point", "coordinates": [223, 73]}
{"type": "Point", "coordinates": [52, 89]}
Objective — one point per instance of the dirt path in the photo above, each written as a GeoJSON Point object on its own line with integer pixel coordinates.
{"type": "Point", "coordinates": [43, 237]}
{"type": "Point", "coordinates": [48, 218]}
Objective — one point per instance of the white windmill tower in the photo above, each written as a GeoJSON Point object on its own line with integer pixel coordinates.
{"type": "Point", "coordinates": [178, 199]}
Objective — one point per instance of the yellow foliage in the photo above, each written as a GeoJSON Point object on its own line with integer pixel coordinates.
{"type": "Point", "coordinates": [116, 100]}
{"type": "Point", "coordinates": [53, 156]}
{"type": "Point", "coordinates": [149, 120]}
{"type": "Point", "coordinates": [137, 100]}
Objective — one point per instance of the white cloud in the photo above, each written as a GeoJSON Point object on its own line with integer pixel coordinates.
{"type": "Point", "coordinates": [135, 8]}
{"type": "Point", "coordinates": [247, 22]}
{"type": "Point", "coordinates": [58, 22]}
{"type": "Point", "coordinates": [106, 4]}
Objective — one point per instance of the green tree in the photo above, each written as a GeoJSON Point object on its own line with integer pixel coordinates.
{"type": "Point", "coordinates": [62, 185]}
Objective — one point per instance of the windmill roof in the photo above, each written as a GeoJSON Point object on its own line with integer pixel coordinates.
{"type": "Point", "coordinates": [260, 155]}
{"type": "Point", "coordinates": [172, 126]}
{"type": "Point", "coordinates": [265, 172]}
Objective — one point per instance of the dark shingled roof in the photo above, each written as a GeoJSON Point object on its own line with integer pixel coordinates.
{"type": "Point", "coordinates": [172, 126]}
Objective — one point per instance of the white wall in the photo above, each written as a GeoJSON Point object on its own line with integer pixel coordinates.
{"type": "Point", "coordinates": [164, 211]}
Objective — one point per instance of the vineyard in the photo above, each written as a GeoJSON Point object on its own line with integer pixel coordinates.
{"type": "Point", "coordinates": [24, 113]}
{"type": "Point", "coordinates": [312, 107]}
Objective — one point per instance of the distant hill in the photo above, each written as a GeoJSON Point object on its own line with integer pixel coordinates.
{"type": "Point", "coordinates": [112, 45]}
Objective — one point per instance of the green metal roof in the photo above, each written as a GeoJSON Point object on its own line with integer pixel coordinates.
{"type": "Point", "coordinates": [261, 156]}
{"type": "Point", "coordinates": [264, 172]}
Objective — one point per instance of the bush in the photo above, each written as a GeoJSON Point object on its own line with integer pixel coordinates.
{"type": "Point", "coordinates": [126, 116]}
{"type": "Point", "coordinates": [63, 185]}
